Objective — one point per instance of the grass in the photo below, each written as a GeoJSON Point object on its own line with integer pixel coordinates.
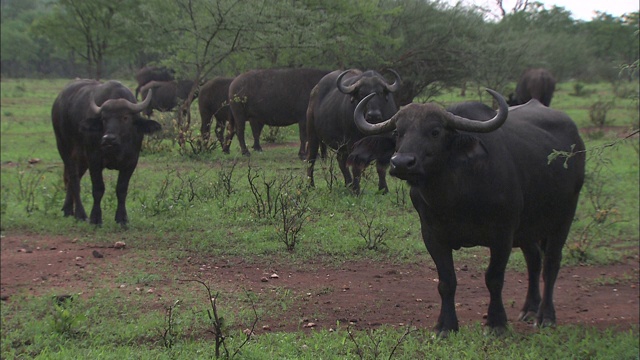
{"type": "Point", "coordinates": [178, 206]}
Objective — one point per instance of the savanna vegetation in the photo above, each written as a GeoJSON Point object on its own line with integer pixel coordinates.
{"type": "Point", "coordinates": [190, 201]}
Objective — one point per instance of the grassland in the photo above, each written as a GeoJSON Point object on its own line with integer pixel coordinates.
{"type": "Point", "coordinates": [183, 204]}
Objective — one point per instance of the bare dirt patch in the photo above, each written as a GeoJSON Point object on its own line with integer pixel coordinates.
{"type": "Point", "coordinates": [365, 294]}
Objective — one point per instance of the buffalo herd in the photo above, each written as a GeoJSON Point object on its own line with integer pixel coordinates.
{"type": "Point", "coordinates": [477, 176]}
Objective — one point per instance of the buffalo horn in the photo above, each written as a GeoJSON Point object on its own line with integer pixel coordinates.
{"type": "Point", "coordinates": [346, 89]}
{"type": "Point", "coordinates": [396, 84]}
{"type": "Point", "coordinates": [143, 105]}
{"type": "Point", "coordinates": [465, 124]}
{"type": "Point", "coordinates": [371, 129]}
{"type": "Point", "coordinates": [129, 105]}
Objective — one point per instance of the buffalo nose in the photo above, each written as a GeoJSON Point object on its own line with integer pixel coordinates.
{"type": "Point", "coordinates": [403, 161]}
{"type": "Point", "coordinates": [109, 139]}
{"type": "Point", "coordinates": [374, 116]}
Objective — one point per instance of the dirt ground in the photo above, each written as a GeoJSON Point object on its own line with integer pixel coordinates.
{"type": "Point", "coordinates": [361, 293]}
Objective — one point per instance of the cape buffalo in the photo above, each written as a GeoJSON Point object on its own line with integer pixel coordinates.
{"type": "Point", "coordinates": [275, 97]}
{"type": "Point", "coordinates": [166, 94]}
{"type": "Point", "coordinates": [490, 183]}
{"type": "Point", "coordinates": [330, 118]}
{"type": "Point", "coordinates": [214, 102]}
{"type": "Point", "coordinates": [151, 73]}
{"type": "Point", "coordinates": [381, 147]}
{"type": "Point", "coordinates": [536, 84]}
{"type": "Point", "coordinates": [97, 126]}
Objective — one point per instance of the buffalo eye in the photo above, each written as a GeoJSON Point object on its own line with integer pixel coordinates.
{"type": "Point", "coordinates": [435, 133]}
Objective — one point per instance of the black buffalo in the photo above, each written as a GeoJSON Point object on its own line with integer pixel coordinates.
{"type": "Point", "coordinates": [214, 102]}
{"type": "Point", "coordinates": [380, 148]}
{"type": "Point", "coordinates": [97, 125]}
{"type": "Point", "coordinates": [148, 74]}
{"type": "Point", "coordinates": [536, 84]}
{"type": "Point", "coordinates": [489, 183]}
{"type": "Point", "coordinates": [166, 94]}
{"type": "Point", "coordinates": [330, 118]}
{"type": "Point", "coordinates": [274, 97]}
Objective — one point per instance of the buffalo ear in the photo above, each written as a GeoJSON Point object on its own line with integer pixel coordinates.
{"type": "Point", "coordinates": [466, 147]}
{"type": "Point", "coordinates": [91, 125]}
{"type": "Point", "coordinates": [148, 126]}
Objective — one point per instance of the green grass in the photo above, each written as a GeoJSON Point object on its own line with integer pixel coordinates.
{"type": "Point", "coordinates": [177, 207]}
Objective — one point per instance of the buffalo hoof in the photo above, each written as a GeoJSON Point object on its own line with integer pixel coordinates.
{"type": "Point", "coordinates": [528, 316]}
{"type": "Point", "coordinates": [246, 153]}
{"type": "Point", "coordinates": [442, 334]}
{"type": "Point", "coordinates": [545, 323]}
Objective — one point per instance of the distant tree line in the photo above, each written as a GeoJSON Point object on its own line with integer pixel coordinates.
{"type": "Point", "coordinates": [432, 45]}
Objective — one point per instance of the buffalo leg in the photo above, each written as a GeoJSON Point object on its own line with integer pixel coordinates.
{"type": "Point", "coordinates": [532, 256]}
{"type": "Point", "coordinates": [97, 190]}
{"type": "Point", "coordinates": [72, 176]}
{"type": "Point", "coordinates": [494, 279]}
{"type": "Point", "coordinates": [239, 130]}
{"type": "Point", "coordinates": [551, 267]}
{"type": "Point", "coordinates": [256, 130]}
{"type": "Point", "coordinates": [342, 164]}
{"type": "Point", "coordinates": [302, 130]}
{"type": "Point", "coordinates": [382, 178]}
{"type": "Point", "coordinates": [231, 130]}
{"type": "Point", "coordinates": [122, 188]}
{"type": "Point", "coordinates": [312, 155]}
{"type": "Point", "coordinates": [443, 258]}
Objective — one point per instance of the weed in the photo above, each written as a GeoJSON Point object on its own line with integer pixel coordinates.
{"type": "Point", "coordinates": [598, 112]}
{"type": "Point", "coordinates": [66, 318]}
{"type": "Point", "coordinates": [272, 135]}
{"type": "Point", "coordinates": [168, 334]}
{"type": "Point", "coordinates": [218, 325]}
{"type": "Point", "coordinates": [603, 214]}
{"type": "Point", "coordinates": [373, 236]}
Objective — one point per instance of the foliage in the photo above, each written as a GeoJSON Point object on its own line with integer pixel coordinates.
{"type": "Point", "coordinates": [432, 45]}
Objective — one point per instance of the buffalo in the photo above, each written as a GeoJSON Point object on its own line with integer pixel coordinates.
{"type": "Point", "coordinates": [489, 183]}
{"type": "Point", "coordinates": [275, 97]}
{"type": "Point", "coordinates": [214, 102]}
{"type": "Point", "coordinates": [380, 148]}
{"type": "Point", "coordinates": [536, 84]}
{"type": "Point", "coordinates": [152, 73]}
{"type": "Point", "coordinates": [166, 94]}
{"type": "Point", "coordinates": [97, 126]}
{"type": "Point", "coordinates": [330, 118]}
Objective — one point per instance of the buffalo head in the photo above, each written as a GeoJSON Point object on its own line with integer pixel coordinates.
{"type": "Point", "coordinates": [369, 82]}
{"type": "Point", "coordinates": [428, 136]}
{"type": "Point", "coordinates": [118, 122]}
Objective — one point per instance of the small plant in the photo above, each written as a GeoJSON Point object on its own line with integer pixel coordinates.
{"type": "Point", "coordinates": [218, 325]}
{"type": "Point", "coordinates": [294, 209]}
{"type": "Point", "coordinates": [602, 216]}
{"type": "Point", "coordinates": [273, 135]}
{"type": "Point", "coordinates": [598, 112]}
{"type": "Point", "coordinates": [65, 317]}
{"type": "Point", "coordinates": [373, 236]}
{"type": "Point", "coordinates": [578, 89]}
{"type": "Point", "coordinates": [374, 349]}
{"type": "Point", "coordinates": [329, 169]}
{"type": "Point", "coordinates": [401, 195]}
{"type": "Point", "coordinates": [168, 334]}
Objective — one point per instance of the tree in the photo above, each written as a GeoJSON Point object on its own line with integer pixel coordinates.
{"type": "Point", "coordinates": [93, 30]}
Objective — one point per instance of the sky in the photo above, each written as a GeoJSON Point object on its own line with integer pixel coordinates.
{"type": "Point", "coordinates": [580, 9]}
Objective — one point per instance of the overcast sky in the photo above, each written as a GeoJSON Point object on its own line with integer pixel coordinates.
{"type": "Point", "coordinates": [580, 9]}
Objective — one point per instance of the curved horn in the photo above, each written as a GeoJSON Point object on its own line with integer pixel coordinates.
{"type": "Point", "coordinates": [143, 105]}
{"type": "Point", "coordinates": [465, 124]}
{"type": "Point", "coordinates": [95, 109]}
{"type": "Point", "coordinates": [396, 84]}
{"type": "Point", "coordinates": [371, 129]}
{"type": "Point", "coordinates": [346, 89]}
